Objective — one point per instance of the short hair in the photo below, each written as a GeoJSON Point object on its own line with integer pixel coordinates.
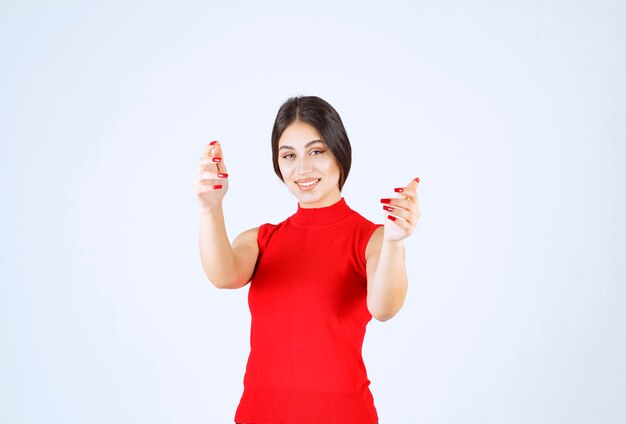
{"type": "Point", "coordinates": [324, 118]}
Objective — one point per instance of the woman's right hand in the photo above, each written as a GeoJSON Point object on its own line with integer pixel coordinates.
{"type": "Point", "coordinates": [212, 178]}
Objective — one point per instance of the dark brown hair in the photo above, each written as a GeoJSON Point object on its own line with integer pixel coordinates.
{"type": "Point", "coordinates": [324, 118]}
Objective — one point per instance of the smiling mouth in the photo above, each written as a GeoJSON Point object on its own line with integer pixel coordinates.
{"type": "Point", "coordinates": [308, 184]}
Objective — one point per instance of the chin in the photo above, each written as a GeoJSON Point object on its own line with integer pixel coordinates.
{"type": "Point", "coordinates": [307, 197]}
{"type": "Point", "coordinates": [312, 198]}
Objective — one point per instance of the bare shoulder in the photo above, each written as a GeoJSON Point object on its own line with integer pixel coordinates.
{"type": "Point", "coordinates": [252, 232]}
{"type": "Point", "coordinates": [246, 238]}
{"type": "Point", "coordinates": [375, 243]}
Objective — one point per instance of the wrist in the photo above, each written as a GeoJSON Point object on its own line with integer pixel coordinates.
{"type": "Point", "coordinates": [393, 244]}
{"type": "Point", "coordinates": [210, 211]}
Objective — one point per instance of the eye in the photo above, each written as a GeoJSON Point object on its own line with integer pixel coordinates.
{"type": "Point", "coordinates": [288, 156]}
{"type": "Point", "coordinates": [317, 152]}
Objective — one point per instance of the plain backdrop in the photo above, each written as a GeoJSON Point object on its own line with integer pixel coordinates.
{"type": "Point", "coordinates": [511, 113]}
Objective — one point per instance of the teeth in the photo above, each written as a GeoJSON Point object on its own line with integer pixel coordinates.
{"type": "Point", "coordinates": [308, 184]}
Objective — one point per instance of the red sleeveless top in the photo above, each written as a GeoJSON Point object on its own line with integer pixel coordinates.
{"type": "Point", "coordinates": [307, 300]}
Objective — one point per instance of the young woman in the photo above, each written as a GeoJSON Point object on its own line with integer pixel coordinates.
{"type": "Point", "coordinates": [316, 279]}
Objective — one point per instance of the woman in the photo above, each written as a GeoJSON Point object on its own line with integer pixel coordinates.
{"type": "Point", "coordinates": [316, 279]}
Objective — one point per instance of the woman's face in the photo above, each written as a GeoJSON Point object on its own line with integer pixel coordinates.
{"type": "Point", "coordinates": [309, 169]}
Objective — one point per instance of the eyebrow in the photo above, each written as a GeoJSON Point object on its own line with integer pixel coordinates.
{"type": "Point", "coordinates": [305, 146]}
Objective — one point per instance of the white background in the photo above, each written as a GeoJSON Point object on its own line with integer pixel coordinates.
{"type": "Point", "coordinates": [511, 113]}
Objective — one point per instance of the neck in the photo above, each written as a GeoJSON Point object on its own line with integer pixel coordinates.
{"type": "Point", "coordinates": [325, 215]}
{"type": "Point", "coordinates": [327, 201]}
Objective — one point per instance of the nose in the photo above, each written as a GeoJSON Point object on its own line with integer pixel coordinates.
{"type": "Point", "coordinates": [304, 165]}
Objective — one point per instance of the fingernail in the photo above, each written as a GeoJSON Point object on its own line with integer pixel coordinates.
{"type": "Point", "coordinates": [388, 208]}
{"type": "Point", "coordinates": [393, 218]}
{"type": "Point", "coordinates": [214, 142]}
{"type": "Point", "coordinates": [398, 190]}
{"type": "Point", "coordinates": [385, 200]}
{"type": "Point", "coordinates": [217, 159]}
{"type": "Point", "coordinates": [222, 175]}
{"type": "Point", "coordinates": [216, 187]}
{"type": "Point", "coordinates": [417, 179]}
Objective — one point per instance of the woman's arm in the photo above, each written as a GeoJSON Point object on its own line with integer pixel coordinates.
{"type": "Point", "coordinates": [386, 276]}
{"type": "Point", "coordinates": [386, 268]}
{"type": "Point", "coordinates": [226, 266]}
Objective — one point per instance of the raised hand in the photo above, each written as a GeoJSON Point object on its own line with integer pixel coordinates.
{"type": "Point", "coordinates": [212, 178]}
{"type": "Point", "coordinates": [402, 212]}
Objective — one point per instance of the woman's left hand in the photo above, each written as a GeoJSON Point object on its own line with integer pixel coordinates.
{"type": "Point", "coordinates": [402, 212]}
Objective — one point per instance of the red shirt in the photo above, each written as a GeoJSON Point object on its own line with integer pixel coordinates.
{"type": "Point", "coordinates": [307, 300]}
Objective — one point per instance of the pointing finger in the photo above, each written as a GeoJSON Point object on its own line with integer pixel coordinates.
{"type": "Point", "coordinates": [214, 150]}
{"type": "Point", "coordinates": [205, 175]}
{"type": "Point", "coordinates": [413, 184]}
{"type": "Point", "coordinates": [209, 147]}
{"type": "Point", "coordinates": [212, 158]}
{"type": "Point", "coordinates": [408, 193]}
{"type": "Point", "coordinates": [208, 160]}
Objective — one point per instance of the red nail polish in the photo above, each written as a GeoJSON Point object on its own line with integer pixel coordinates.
{"type": "Point", "coordinates": [398, 190]}
{"type": "Point", "coordinates": [385, 200]}
{"type": "Point", "coordinates": [388, 208]}
{"type": "Point", "coordinates": [222, 175]}
{"type": "Point", "coordinates": [393, 218]}
{"type": "Point", "coordinates": [216, 187]}
{"type": "Point", "coordinates": [417, 179]}
{"type": "Point", "coordinates": [213, 143]}
{"type": "Point", "coordinates": [217, 159]}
